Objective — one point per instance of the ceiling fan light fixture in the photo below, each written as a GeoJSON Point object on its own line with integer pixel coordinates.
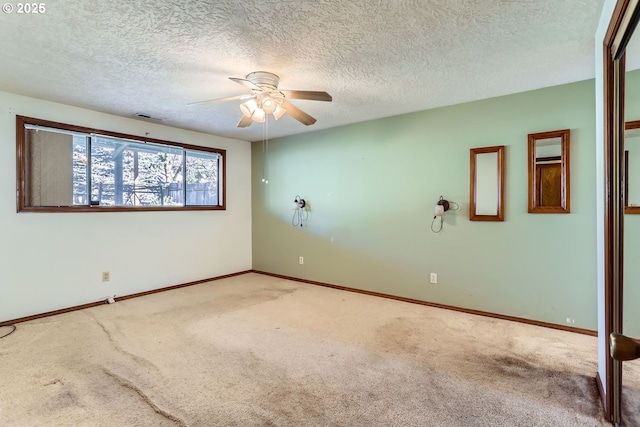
{"type": "Point", "coordinates": [278, 112]}
{"type": "Point", "coordinates": [267, 103]}
{"type": "Point", "coordinates": [249, 107]}
{"type": "Point", "coordinates": [258, 115]}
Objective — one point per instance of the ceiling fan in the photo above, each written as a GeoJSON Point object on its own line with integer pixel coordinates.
{"type": "Point", "coordinates": [265, 98]}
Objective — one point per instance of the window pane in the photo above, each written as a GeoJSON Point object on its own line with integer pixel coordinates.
{"type": "Point", "coordinates": [49, 166]}
{"type": "Point", "coordinates": [80, 170]}
{"type": "Point", "coordinates": [125, 173]}
{"type": "Point", "coordinates": [106, 157]}
{"type": "Point", "coordinates": [155, 173]}
{"type": "Point", "coordinates": [202, 178]}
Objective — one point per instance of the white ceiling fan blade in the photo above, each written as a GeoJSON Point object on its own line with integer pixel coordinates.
{"type": "Point", "coordinates": [307, 94]}
{"type": "Point", "coordinates": [298, 114]}
{"type": "Point", "coordinates": [246, 83]}
{"type": "Point", "coordinates": [245, 122]}
{"type": "Point", "coordinates": [229, 98]}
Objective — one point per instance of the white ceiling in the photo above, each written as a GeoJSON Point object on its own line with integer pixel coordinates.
{"type": "Point", "coordinates": [377, 58]}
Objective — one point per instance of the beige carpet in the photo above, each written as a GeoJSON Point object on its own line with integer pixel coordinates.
{"type": "Point", "coordinates": [254, 350]}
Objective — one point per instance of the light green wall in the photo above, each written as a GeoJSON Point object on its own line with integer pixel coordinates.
{"type": "Point", "coordinates": [372, 187]}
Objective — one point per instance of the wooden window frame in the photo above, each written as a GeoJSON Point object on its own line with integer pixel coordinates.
{"type": "Point", "coordinates": [21, 178]}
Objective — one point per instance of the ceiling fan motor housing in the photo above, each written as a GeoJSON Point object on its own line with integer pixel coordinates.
{"type": "Point", "coordinates": [264, 79]}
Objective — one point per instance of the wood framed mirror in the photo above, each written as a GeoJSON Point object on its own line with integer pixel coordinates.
{"type": "Point", "coordinates": [486, 193]}
{"type": "Point", "coordinates": [549, 189]}
{"type": "Point", "coordinates": [632, 167]}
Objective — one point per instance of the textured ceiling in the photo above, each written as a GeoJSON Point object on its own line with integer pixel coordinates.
{"type": "Point", "coordinates": [376, 58]}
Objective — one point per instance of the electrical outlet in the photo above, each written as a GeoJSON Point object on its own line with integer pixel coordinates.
{"type": "Point", "coordinates": [433, 278]}
{"type": "Point", "coordinates": [301, 260]}
{"type": "Point", "coordinates": [570, 320]}
{"type": "Point", "coordinates": [106, 276]}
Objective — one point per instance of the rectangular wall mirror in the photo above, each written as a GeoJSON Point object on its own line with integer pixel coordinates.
{"type": "Point", "coordinates": [486, 193]}
{"type": "Point", "coordinates": [549, 172]}
{"type": "Point", "coordinates": [632, 167]}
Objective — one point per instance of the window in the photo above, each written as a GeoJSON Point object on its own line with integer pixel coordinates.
{"type": "Point", "coordinates": [66, 168]}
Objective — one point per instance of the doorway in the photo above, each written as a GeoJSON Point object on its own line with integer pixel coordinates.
{"type": "Point", "coordinates": [624, 19]}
